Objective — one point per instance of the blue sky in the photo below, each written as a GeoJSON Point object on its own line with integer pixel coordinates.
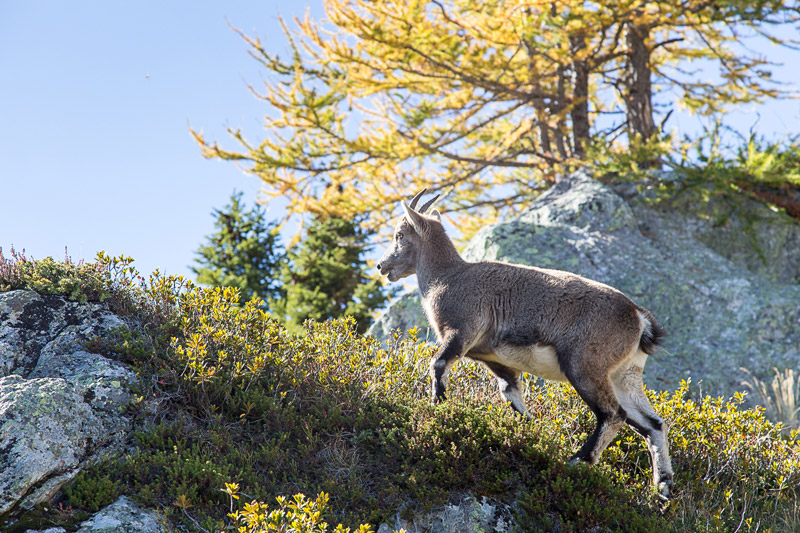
{"type": "Point", "coordinates": [96, 101]}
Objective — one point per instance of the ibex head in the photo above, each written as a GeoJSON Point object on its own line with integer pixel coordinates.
{"type": "Point", "coordinates": [400, 260]}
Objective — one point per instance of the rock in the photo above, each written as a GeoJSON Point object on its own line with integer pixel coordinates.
{"type": "Point", "coordinates": [722, 307]}
{"type": "Point", "coordinates": [45, 432]}
{"type": "Point", "coordinates": [404, 313]}
{"type": "Point", "coordinates": [30, 321]}
{"type": "Point", "coordinates": [60, 406]}
{"type": "Point", "coordinates": [123, 516]}
{"type": "Point", "coordinates": [469, 515]}
{"type": "Point", "coordinates": [742, 229]}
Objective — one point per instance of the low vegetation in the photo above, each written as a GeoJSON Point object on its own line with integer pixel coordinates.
{"type": "Point", "coordinates": [719, 163]}
{"type": "Point", "coordinates": [233, 412]}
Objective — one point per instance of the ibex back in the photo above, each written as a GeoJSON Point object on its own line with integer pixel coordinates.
{"type": "Point", "coordinates": [551, 323]}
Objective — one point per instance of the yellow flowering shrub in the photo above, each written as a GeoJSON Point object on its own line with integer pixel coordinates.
{"type": "Point", "coordinates": [229, 398]}
{"type": "Point", "coordinates": [295, 515]}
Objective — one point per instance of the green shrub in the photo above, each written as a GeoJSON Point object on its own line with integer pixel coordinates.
{"type": "Point", "coordinates": [91, 490]}
{"type": "Point", "coordinates": [230, 397]}
{"type": "Point", "coordinates": [80, 282]}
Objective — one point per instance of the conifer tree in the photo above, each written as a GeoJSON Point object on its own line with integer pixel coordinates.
{"type": "Point", "coordinates": [485, 101]}
{"type": "Point", "coordinates": [244, 252]}
{"type": "Point", "coordinates": [325, 276]}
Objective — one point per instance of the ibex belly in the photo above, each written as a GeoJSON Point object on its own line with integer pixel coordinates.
{"type": "Point", "coordinates": [539, 360]}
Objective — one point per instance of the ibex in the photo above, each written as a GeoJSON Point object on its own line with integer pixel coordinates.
{"type": "Point", "coordinates": [550, 323]}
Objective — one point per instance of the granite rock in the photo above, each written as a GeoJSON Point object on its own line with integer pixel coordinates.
{"type": "Point", "coordinates": [61, 406]}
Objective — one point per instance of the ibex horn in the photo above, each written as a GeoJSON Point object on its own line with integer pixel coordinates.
{"type": "Point", "coordinates": [416, 198]}
{"type": "Point", "coordinates": [427, 204]}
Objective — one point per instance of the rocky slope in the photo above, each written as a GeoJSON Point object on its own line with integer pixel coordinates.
{"type": "Point", "coordinates": [719, 271]}
{"type": "Point", "coordinates": [61, 407]}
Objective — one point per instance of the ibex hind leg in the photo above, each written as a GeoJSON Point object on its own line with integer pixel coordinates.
{"type": "Point", "coordinates": [508, 384]}
{"type": "Point", "coordinates": [599, 395]}
{"type": "Point", "coordinates": [645, 421]}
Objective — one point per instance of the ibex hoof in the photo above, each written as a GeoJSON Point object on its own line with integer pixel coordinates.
{"type": "Point", "coordinates": [576, 459]}
{"type": "Point", "coordinates": [665, 490]}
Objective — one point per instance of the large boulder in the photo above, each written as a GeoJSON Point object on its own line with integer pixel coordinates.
{"type": "Point", "coordinates": [716, 273]}
{"type": "Point", "coordinates": [735, 225]}
{"type": "Point", "coordinates": [60, 405]}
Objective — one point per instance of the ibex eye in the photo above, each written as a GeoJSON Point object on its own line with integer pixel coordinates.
{"type": "Point", "coordinates": [399, 236]}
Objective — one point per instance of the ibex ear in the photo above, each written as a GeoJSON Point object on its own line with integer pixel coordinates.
{"type": "Point", "coordinates": [437, 214]}
{"type": "Point", "coordinates": [416, 220]}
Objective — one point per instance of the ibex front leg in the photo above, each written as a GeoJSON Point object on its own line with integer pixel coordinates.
{"type": "Point", "coordinates": [449, 351]}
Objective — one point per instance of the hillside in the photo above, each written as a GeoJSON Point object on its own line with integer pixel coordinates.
{"type": "Point", "coordinates": [177, 406]}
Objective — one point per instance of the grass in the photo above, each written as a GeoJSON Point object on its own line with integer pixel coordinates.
{"type": "Point", "coordinates": [781, 398]}
{"type": "Point", "coordinates": [233, 412]}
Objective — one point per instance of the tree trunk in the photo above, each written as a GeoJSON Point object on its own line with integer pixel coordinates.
{"type": "Point", "coordinates": [639, 97]}
{"type": "Point", "coordinates": [557, 109]}
{"type": "Point", "coordinates": [541, 117]}
{"type": "Point", "coordinates": [580, 103]}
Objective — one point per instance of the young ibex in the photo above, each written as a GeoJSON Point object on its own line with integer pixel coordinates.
{"type": "Point", "coordinates": [553, 324]}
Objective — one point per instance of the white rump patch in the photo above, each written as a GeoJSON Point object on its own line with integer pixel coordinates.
{"type": "Point", "coordinates": [646, 325]}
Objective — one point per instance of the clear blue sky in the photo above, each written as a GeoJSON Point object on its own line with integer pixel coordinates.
{"type": "Point", "coordinates": [96, 100]}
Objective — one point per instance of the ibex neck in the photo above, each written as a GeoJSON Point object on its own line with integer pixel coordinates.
{"type": "Point", "coordinates": [439, 261]}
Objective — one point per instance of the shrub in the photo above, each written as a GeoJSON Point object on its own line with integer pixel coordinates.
{"type": "Point", "coordinates": [229, 396]}
{"type": "Point", "coordinates": [298, 515]}
{"type": "Point", "coordinates": [80, 282]}
{"type": "Point", "coordinates": [92, 490]}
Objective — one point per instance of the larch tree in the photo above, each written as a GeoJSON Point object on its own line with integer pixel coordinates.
{"type": "Point", "coordinates": [695, 48]}
{"type": "Point", "coordinates": [484, 101]}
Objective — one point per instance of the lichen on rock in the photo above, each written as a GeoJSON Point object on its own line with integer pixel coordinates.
{"type": "Point", "coordinates": [468, 515]}
{"type": "Point", "coordinates": [60, 405]}
{"type": "Point", "coordinates": [123, 516]}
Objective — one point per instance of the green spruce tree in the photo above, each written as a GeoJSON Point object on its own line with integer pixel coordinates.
{"type": "Point", "coordinates": [244, 252]}
{"type": "Point", "coordinates": [325, 276]}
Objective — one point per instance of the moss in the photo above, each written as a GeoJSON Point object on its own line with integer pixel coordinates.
{"type": "Point", "coordinates": [45, 516]}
